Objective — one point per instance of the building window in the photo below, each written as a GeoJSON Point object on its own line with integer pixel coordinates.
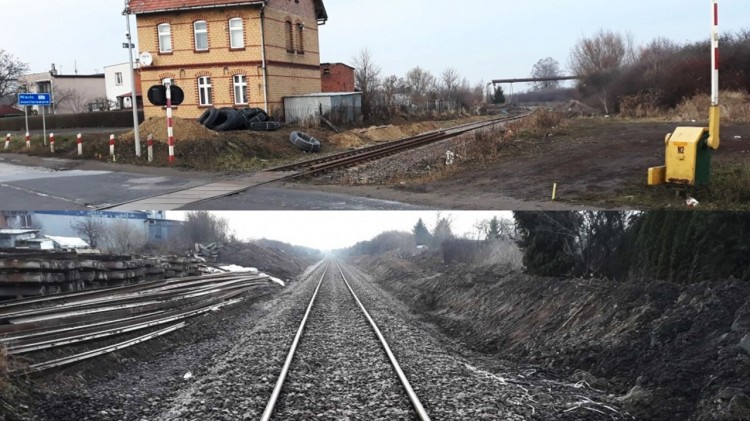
{"type": "Point", "coordinates": [289, 37]}
{"type": "Point", "coordinates": [201, 35]}
{"type": "Point", "coordinates": [300, 38]}
{"type": "Point", "coordinates": [240, 89]}
{"type": "Point", "coordinates": [204, 90]}
{"type": "Point", "coordinates": [118, 78]}
{"type": "Point", "coordinates": [165, 38]}
{"type": "Point", "coordinates": [236, 33]}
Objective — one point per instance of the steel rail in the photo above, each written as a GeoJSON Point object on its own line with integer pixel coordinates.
{"type": "Point", "coordinates": [56, 343]}
{"type": "Point", "coordinates": [385, 149]}
{"type": "Point", "coordinates": [160, 302]}
{"type": "Point", "coordinates": [404, 381]}
{"type": "Point", "coordinates": [161, 292]}
{"type": "Point", "coordinates": [29, 302]}
{"type": "Point", "coordinates": [290, 356]}
{"type": "Point", "coordinates": [96, 352]}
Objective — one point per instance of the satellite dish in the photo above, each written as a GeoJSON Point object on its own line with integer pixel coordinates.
{"type": "Point", "coordinates": [146, 59]}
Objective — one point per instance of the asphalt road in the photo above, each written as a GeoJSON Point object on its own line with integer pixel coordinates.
{"type": "Point", "coordinates": [33, 183]}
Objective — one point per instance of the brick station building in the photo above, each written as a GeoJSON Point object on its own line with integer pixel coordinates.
{"type": "Point", "coordinates": [230, 53]}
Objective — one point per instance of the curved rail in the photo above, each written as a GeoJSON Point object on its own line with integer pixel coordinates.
{"type": "Point", "coordinates": [421, 413]}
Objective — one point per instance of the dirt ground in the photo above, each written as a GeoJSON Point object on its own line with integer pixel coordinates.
{"type": "Point", "coordinates": [666, 351]}
{"type": "Point", "coordinates": [596, 162]}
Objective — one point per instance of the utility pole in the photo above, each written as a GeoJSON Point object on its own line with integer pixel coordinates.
{"type": "Point", "coordinates": [133, 96]}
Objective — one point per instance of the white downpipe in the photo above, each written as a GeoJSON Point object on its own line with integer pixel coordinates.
{"type": "Point", "coordinates": [263, 56]}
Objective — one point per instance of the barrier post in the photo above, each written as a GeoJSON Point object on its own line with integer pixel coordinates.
{"type": "Point", "coordinates": [79, 142]}
{"type": "Point", "coordinates": [52, 142]}
{"type": "Point", "coordinates": [7, 141]}
{"type": "Point", "coordinates": [28, 141]}
{"type": "Point", "coordinates": [150, 143]}
{"type": "Point", "coordinates": [170, 130]}
{"type": "Point", "coordinates": [111, 145]}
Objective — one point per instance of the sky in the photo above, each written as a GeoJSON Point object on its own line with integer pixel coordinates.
{"type": "Point", "coordinates": [331, 230]}
{"type": "Point", "coordinates": [482, 39]}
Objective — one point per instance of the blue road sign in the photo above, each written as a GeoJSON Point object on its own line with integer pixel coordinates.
{"type": "Point", "coordinates": [34, 99]}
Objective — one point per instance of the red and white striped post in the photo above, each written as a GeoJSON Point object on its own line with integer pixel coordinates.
{"type": "Point", "coordinates": [7, 141]}
{"type": "Point", "coordinates": [715, 112]}
{"type": "Point", "coordinates": [111, 145]}
{"type": "Point", "coordinates": [150, 144]}
{"type": "Point", "coordinates": [52, 142]}
{"type": "Point", "coordinates": [170, 130]}
{"type": "Point", "coordinates": [79, 142]}
{"type": "Point", "coordinates": [715, 56]}
{"type": "Point", "coordinates": [28, 141]}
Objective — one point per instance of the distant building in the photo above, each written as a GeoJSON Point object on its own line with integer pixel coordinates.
{"type": "Point", "coordinates": [230, 53]}
{"type": "Point", "coordinates": [153, 226]}
{"type": "Point", "coordinates": [118, 86]}
{"type": "Point", "coordinates": [336, 77]}
{"type": "Point", "coordinates": [10, 237]}
{"type": "Point", "coordinates": [71, 94]}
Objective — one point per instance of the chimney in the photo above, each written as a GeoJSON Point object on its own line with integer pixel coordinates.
{"type": "Point", "coordinates": [53, 70]}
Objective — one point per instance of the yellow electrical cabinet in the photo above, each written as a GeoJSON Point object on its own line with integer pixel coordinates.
{"type": "Point", "coordinates": [688, 158]}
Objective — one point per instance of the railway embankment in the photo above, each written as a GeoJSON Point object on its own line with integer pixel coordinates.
{"type": "Point", "coordinates": [667, 351]}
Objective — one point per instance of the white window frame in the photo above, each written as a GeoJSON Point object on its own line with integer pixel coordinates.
{"type": "Point", "coordinates": [204, 91]}
{"type": "Point", "coordinates": [200, 32]}
{"type": "Point", "coordinates": [239, 83]}
{"type": "Point", "coordinates": [118, 78]}
{"type": "Point", "coordinates": [165, 30]}
{"type": "Point", "coordinates": [233, 30]}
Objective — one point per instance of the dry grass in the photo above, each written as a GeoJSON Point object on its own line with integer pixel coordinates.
{"type": "Point", "coordinates": [540, 123]}
{"type": "Point", "coordinates": [644, 104]}
{"type": "Point", "coordinates": [735, 107]}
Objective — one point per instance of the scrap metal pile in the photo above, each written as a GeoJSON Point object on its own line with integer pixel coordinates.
{"type": "Point", "coordinates": [227, 119]}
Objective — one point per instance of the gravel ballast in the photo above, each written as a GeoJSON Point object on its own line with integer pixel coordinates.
{"type": "Point", "coordinates": [339, 372]}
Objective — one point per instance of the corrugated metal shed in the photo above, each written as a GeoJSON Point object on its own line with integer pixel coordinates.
{"type": "Point", "coordinates": [338, 107]}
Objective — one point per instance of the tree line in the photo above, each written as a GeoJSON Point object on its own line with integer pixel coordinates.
{"type": "Point", "coordinates": [418, 88]}
{"type": "Point", "coordinates": [680, 247]}
{"type": "Point", "coordinates": [620, 77]}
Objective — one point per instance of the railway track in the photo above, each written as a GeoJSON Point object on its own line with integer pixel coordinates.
{"type": "Point", "coordinates": [340, 346]}
{"type": "Point", "coordinates": [59, 330]}
{"type": "Point", "coordinates": [369, 153]}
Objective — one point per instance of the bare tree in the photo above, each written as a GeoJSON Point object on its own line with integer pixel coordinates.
{"type": "Point", "coordinates": [599, 58]}
{"type": "Point", "coordinates": [203, 227]}
{"type": "Point", "coordinates": [367, 78]}
{"type": "Point", "coordinates": [420, 82]}
{"type": "Point", "coordinates": [91, 229]}
{"type": "Point", "coordinates": [390, 88]}
{"type": "Point", "coordinates": [70, 99]}
{"type": "Point", "coordinates": [121, 238]}
{"type": "Point", "coordinates": [11, 71]}
{"type": "Point", "coordinates": [449, 80]}
{"type": "Point", "coordinates": [546, 68]}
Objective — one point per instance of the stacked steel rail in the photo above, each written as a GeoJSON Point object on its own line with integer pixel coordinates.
{"type": "Point", "coordinates": [135, 312]}
{"type": "Point", "coordinates": [369, 153]}
{"type": "Point", "coordinates": [271, 405]}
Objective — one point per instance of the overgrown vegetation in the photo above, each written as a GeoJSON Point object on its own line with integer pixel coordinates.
{"type": "Point", "coordinates": [679, 247]}
{"type": "Point", "coordinates": [657, 76]}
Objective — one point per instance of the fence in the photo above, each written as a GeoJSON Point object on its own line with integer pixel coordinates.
{"type": "Point", "coordinates": [71, 121]}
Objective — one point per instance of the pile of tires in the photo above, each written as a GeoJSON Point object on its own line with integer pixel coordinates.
{"type": "Point", "coordinates": [228, 119]}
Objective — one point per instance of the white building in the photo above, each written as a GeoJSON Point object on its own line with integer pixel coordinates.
{"type": "Point", "coordinates": [119, 88]}
{"type": "Point", "coordinates": [71, 94]}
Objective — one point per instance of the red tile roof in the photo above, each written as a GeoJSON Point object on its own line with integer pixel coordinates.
{"type": "Point", "coordinates": [155, 6]}
{"type": "Point", "coordinates": [7, 110]}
